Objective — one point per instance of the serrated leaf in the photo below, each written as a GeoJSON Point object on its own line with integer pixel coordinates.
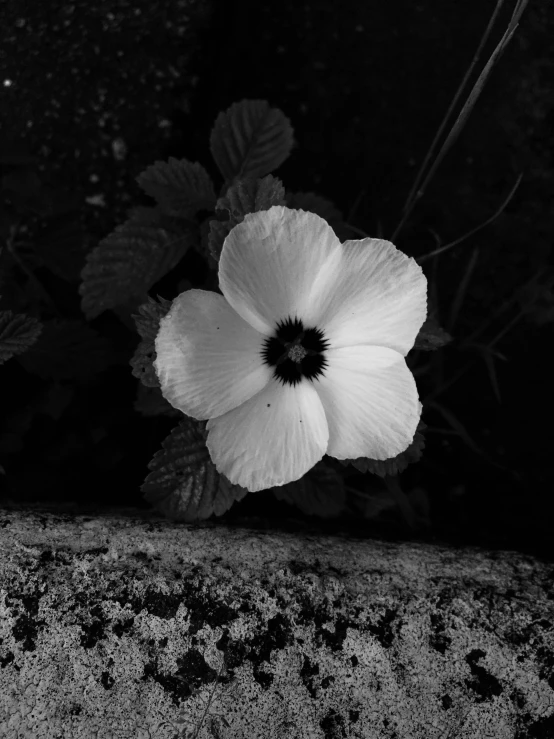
{"type": "Point", "coordinates": [149, 315]}
{"type": "Point", "coordinates": [431, 336]}
{"type": "Point", "coordinates": [320, 492]}
{"type": "Point", "coordinates": [68, 349]}
{"type": "Point", "coordinates": [128, 262]}
{"type": "Point", "coordinates": [204, 247]}
{"type": "Point", "coordinates": [150, 402]}
{"type": "Point", "coordinates": [245, 196]}
{"type": "Point", "coordinates": [181, 188]}
{"type": "Point", "coordinates": [18, 333]}
{"type": "Point", "coordinates": [394, 465]}
{"type": "Point", "coordinates": [183, 483]}
{"type": "Point", "coordinates": [148, 323]}
{"type": "Point", "coordinates": [250, 139]}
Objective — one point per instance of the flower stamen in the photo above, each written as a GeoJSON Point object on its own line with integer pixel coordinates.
{"type": "Point", "coordinates": [297, 353]}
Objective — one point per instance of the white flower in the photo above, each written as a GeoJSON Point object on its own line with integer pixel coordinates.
{"type": "Point", "coordinates": [302, 355]}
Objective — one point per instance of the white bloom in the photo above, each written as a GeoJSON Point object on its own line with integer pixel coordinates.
{"type": "Point", "coordinates": [302, 355]}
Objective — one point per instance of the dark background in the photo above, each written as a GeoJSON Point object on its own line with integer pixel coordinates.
{"type": "Point", "coordinates": [93, 93]}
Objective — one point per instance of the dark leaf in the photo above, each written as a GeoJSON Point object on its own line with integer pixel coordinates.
{"type": "Point", "coordinates": [183, 483]}
{"type": "Point", "coordinates": [431, 336]}
{"type": "Point", "coordinates": [128, 262]}
{"type": "Point", "coordinates": [250, 139]}
{"type": "Point", "coordinates": [18, 333]}
{"type": "Point", "coordinates": [181, 188]}
{"type": "Point", "coordinates": [148, 324]}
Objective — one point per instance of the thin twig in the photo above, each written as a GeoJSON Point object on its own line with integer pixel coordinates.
{"type": "Point", "coordinates": [412, 195]}
{"type": "Point", "coordinates": [506, 328]}
{"type": "Point", "coordinates": [467, 108]}
{"type": "Point", "coordinates": [473, 231]}
{"type": "Point", "coordinates": [465, 111]}
{"type": "Point", "coordinates": [485, 324]}
{"type": "Point", "coordinates": [357, 230]}
{"type": "Point", "coordinates": [448, 383]}
{"type": "Point", "coordinates": [444, 386]}
{"type": "Point", "coordinates": [355, 204]}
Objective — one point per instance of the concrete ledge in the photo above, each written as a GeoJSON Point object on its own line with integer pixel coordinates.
{"type": "Point", "coordinates": [124, 625]}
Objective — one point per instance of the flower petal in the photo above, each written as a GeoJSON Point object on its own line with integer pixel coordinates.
{"type": "Point", "coordinates": [272, 263]}
{"type": "Point", "coordinates": [371, 402]}
{"type": "Point", "coordinates": [272, 439]}
{"type": "Point", "coordinates": [208, 359]}
{"type": "Point", "coordinates": [376, 297]}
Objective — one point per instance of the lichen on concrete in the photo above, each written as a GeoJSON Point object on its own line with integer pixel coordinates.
{"type": "Point", "coordinates": [120, 625]}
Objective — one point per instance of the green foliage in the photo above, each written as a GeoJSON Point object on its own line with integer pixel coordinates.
{"type": "Point", "coordinates": [183, 483]}
{"type": "Point", "coordinates": [394, 465]}
{"type": "Point", "coordinates": [319, 493]}
{"type": "Point", "coordinates": [250, 139]}
{"type": "Point", "coordinates": [18, 333]}
{"type": "Point", "coordinates": [148, 323]}
{"type": "Point", "coordinates": [181, 188]}
{"type": "Point", "coordinates": [129, 262]}
{"type": "Point", "coordinates": [245, 196]}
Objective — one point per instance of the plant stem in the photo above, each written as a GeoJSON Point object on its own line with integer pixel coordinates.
{"type": "Point", "coordinates": [418, 187]}
{"type": "Point", "coordinates": [473, 231]}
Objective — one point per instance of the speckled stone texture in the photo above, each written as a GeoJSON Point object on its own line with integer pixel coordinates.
{"type": "Point", "coordinates": [115, 625]}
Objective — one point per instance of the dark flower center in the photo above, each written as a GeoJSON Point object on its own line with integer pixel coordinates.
{"type": "Point", "coordinates": [295, 352]}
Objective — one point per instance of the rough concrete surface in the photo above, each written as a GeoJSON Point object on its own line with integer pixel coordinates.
{"type": "Point", "coordinates": [124, 625]}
